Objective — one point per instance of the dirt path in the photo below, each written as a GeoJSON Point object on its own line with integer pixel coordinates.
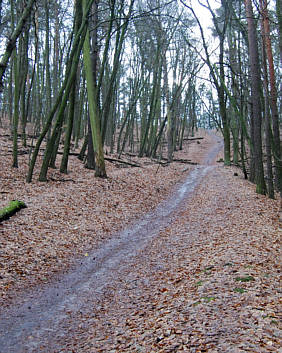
{"type": "Point", "coordinates": [72, 214]}
{"type": "Point", "coordinates": [168, 283]}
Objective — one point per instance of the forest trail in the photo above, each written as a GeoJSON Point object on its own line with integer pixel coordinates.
{"type": "Point", "coordinates": [189, 276]}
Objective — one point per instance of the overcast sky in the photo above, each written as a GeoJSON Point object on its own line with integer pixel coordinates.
{"type": "Point", "coordinates": [202, 13]}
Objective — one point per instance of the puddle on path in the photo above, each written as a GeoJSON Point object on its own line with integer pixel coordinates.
{"type": "Point", "coordinates": [40, 320]}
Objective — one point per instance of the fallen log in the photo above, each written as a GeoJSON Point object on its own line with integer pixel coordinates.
{"type": "Point", "coordinates": [20, 152]}
{"type": "Point", "coordinates": [187, 139]}
{"type": "Point", "coordinates": [19, 135]}
{"type": "Point", "coordinates": [184, 161]}
{"type": "Point", "coordinates": [192, 138]}
{"type": "Point", "coordinates": [122, 161]}
{"type": "Point", "coordinates": [130, 154]}
{"type": "Point", "coordinates": [157, 161]}
{"type": "Point", "coordinates": [13, 207]}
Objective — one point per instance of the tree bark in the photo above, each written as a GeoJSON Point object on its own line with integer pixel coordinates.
{"type": "Point", "coordinates": [256, 98]}
{"type": "Point", "coordinates": [100, 170]}
{"type": "Point", "coordinates": [67, 141]}
{"type": "Point", "coordinates": [279, 17]}
{"type": "Point", "coordinates": [270, 187]}
{"type": "Point", "coordinates": [273, 96]}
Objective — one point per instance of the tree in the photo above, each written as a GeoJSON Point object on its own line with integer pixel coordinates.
{"type": "Point", "coordinates": [256, 98]}
{"type": "Point", "coordinates": [100, 169]}
{"type": "Point", "coordinates": [220, 25]}
{"type": "Point", "coordinates": [13, 39]}
{"type": "Point", "coordinates": [273, 95]}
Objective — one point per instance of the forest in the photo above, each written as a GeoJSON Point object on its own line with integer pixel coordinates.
{"type": "Point", "coordinates": [139, 77]}
{"type": "Point", "coordinates": [140, 175]}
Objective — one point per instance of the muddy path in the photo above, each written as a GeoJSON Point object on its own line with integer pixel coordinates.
{"type": "Point", "coordinates": [45, 316]}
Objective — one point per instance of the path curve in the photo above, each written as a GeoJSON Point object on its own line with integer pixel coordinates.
{"type": "Point", "coordinates": [40, 320]}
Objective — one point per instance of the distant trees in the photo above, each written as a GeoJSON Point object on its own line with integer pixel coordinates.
{"type": "Point", "coordinates": [128, 76]}
{"type": "Point", "coordinates": [83, 73]}
{"type": "Point", "coordinates": [14, 35]}
{"type": "Point", "coordinates": [236, 77]}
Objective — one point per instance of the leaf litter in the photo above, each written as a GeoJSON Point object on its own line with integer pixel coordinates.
{"type": "Point", "coordinates": [181, 292]}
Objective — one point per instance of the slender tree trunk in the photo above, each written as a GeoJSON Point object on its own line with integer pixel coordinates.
{"type": "Point", "coordinates": [273, 96]}
{"type": "Point", "coordinates": [268, 133]}
{"type": "Point", "coordinates": [13, 39]}
{"type": "Point", "coordinates": [56, 55]}
{"type": "Point", "coordinates": [90, 159]}
{"type": "Point", "coordinates": [256, 98]}
{"type": "Point", "coordinates": [147, 124]}
{"type": "Point", "coordinates": [270, 187]}
{"type": "Point", "coordinates": [47, 58]}
{"type": "Point", "coordinates": [71, 111]}
{"type": "Point", "coordinates": [116, 64]}
{"type": "Point", "coordinates": [279, 17]}
{"type": "Point", "coordinates": [100, 170]}
{"type": "Point", "coordinates": [16, 64]}
{"type": "Point", "coordinates": [170, 123]}
{"type": "Point", "coordinates": [60, 101]}
{"type": "Point", "coordinates": [242, 147]}
{"type": "Point", "coordinates": [222, 106]}
{"type": "Point", "coordinates": [30, 102]}
{"type": "Point", "coordinates": [78, 122]}
{"type": "Point", "coordinates": [71, 69]}
{"type": "Point", "coordinates": [16, 110]}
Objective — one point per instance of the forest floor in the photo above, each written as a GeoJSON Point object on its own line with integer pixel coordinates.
{"type": "Point", "coordinates": [207, 282]}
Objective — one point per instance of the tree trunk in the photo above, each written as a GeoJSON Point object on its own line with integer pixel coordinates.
{"type": "Point", "coordinates": [279, 17]}
{"type": "Point", "coordinates": [62, 97]}
{"type": "Point", "coordinates": [16, 65]}
{"type": "Point", "coordinates": [100, 170]}
{"type": "Point", "coordinates": [71, 111]}
{"type": "Point", "coordinates": [90, 159]}
{"type": "Point", "coordinates": [256, 98]}
{"type": "Point", "coordinates": [273, 96]}
{"type": "Point", "coordinates": [13, 39]}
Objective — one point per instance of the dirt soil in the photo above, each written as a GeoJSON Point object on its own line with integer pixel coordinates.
{"type": "Point", "coordinates": [206, 281]}
{"type": "Point", "coordinates": [71, 214]}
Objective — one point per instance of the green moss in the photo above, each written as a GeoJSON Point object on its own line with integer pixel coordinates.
{"type": "Point", "coordinates": [244, 279]}
{"type": "Point", "coordinates": [199, 283]}
{"type": "Point", "coordinates": [13, 207]}
{"type": "Point", "coordinates": [208, 299]}
{"type": "Point", "coordinates": [239, 290]}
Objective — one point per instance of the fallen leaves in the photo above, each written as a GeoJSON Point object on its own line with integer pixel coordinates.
{"type": "Point", "coordinates": [193, 303]}
{"type": "Point", "coordinates": [66, 217]}
{"type": "Point", "coordinates": [206, 283]}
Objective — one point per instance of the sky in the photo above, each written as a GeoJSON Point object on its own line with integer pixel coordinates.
{"type": "Point", "coordinates": [202, 13]}
{"type": "Point", "coordinates": [205, 19]}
